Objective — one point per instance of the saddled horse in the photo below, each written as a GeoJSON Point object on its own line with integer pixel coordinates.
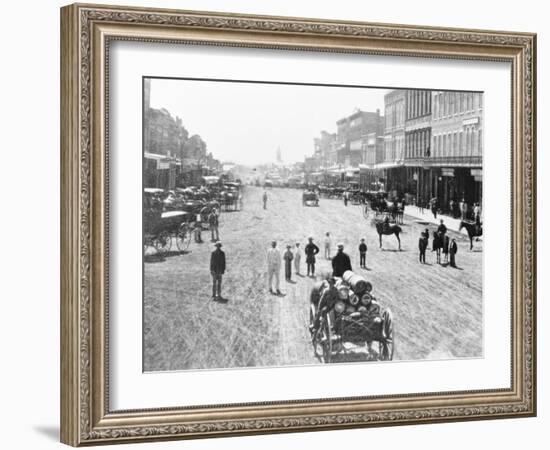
{"type": "Point", "coordinates": [474, 230]}
{"type": "Point", "coordinates": [387, 229]}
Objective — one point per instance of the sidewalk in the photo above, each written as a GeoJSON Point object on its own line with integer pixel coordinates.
{"type": "Point", "coordinates": [450, 222]}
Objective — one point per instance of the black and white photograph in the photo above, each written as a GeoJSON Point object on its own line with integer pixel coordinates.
{"type": "Point", "coordinates": [292, 224]}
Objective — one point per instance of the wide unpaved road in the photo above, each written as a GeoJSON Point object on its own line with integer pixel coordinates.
{"type": "Point", "coordinates": [437, 310]}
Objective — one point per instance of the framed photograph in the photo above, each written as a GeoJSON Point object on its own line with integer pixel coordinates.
{"type": "Point", "coordinates": [276, 224]}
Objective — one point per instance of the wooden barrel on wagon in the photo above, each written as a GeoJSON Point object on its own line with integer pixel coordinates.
{"type": "Point", "coordinates": [358, 284]}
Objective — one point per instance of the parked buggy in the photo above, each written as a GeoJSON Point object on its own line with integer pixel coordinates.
{"type": "Point", "coordinates": [356, 320]}
{"type": "Point", "coordinates": [310, 198]}
{"type": "Point", "coordinates": [161, 228]}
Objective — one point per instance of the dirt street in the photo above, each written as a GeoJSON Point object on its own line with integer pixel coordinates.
{"type": "Point", "coordinates": [437, 309]}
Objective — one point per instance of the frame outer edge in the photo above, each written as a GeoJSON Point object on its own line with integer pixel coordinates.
{"type": "Point", "coordinates": [69, 212]}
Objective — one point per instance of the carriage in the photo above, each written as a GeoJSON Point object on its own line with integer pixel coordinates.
{"type": "Point", "coordinates": [310, 198]}
{"type": "Point", "coordinates": [357, 320]}
{"type": "Point", "coordinates": [161, 228]}
{"type": "Point", "coordinates": [230, 197]}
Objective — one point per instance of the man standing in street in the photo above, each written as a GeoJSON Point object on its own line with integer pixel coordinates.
{"type": "Point", "coordinates": [341, 262]}
{"type": "Point", "coordinates": [311, 250]}
{"type": "Point", "coordinates": [453, 249]}
{"type": "Point", "coordinates": [288, 257]}
{"type": "Point", "coordinates": [198, 228]}
{"type": "Point", "coordinates": [213, 221]}
{"type": "Point", "coordinates": [422, 246]}
{"type": "Point", "coordinates": [362, 254]}
{"type": "Point", "coordinates": [264, 199]}
{"type": "Point", "coordinates": [273, 268]}
{"type": "Point", "coordinates": [297, 258]}
{"type": "Point", "coordinates": [217, 269]}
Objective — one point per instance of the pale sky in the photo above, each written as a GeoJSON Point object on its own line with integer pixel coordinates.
{"type": "Point", "coordinates": [246, 122]}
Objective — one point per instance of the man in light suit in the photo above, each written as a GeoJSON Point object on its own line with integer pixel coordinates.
{"type": "Point", "coordinates": [273, 268]}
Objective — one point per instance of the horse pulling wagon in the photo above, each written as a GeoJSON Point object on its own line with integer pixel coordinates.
{"type": "Point", "coordinates": [355, 318]}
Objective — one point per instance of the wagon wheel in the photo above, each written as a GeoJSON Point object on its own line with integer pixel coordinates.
{"type": "Point", "coordinates": [386, 346]}
{"type": "Point", "coordinates": [183, 238]}
{"type": "Point", "coordinates": [327, 340]}
{"type": "Point", "coordinates": [366, 211]}
{"type": "Point", "coordinates": [162, 242]}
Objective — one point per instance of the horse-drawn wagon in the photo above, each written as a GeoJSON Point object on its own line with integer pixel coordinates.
{"type": "Point", "coordinates": [161, 228]}
{"type": "Point", "coordinates": [310, 198]}
{"type": "Point", "coordinates": [355, 320]}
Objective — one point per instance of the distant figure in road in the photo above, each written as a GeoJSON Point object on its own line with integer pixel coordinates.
{"type": "Point", "coordinates": [362, 254]}
{"type": "Point", "coordinates": [434, 205]}
{"type": "Point", "coordinates": [346, 197]}
{"type": "Point", "coordinates": [453, 249]}
{"type": "Point", "coordinates": [328, 243]}
{"type": "Point", "coordinates": [213, 221]}
{"type": "Point", "coordinates": [422, 246]}
{"type": "Point", "coordinates": [198, 229]}
{"type": "Point", "coordinates": [311, 250]}
{"type": "Point", "coordinates": [217, 269]}
{"type": "Point", "coordinates": [341, 262]}
{"type": "Point", "coordinates": [442, 229]}
{"type": "Point", "coordinates": [297, 258]}
{"type": "Point", "coordinates": [264, 199]}
{"type": "Point", "coordinates": [273, 267]}
{"type": "Point", "coordinates": [288, 257]}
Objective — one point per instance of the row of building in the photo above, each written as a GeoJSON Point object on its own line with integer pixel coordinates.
{"type": "Point", "coordinates": [428, 144]}
{"type": "Point", "coordinates": [172, 156]}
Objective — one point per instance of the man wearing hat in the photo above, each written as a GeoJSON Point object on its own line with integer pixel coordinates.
{"type": "Point", "coordinates": [217, 269]}
{"type": "Point", "coordinates": [288, 256]}
{"type": "Point", "coordinates": [311, 250]}
{"type": "Point", "coordinates": [273, 267]}
{"type": "Point", "coordinates": [340, 262]}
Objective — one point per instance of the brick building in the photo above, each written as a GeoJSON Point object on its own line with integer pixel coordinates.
{"type": "Point", "coordinates": [433, 145]}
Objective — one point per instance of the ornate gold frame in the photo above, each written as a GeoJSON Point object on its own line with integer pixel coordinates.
{"type": "Point", "coordinates": [86, 31]}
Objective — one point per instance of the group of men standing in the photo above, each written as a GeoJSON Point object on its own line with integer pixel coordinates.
{"type": "Point", "coordinates": [440, 242]}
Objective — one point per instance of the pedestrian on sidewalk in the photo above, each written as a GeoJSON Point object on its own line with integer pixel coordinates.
{"type": "Point", "coordinates": [217, 269]}
{"type": "Point", "coordinates": [288, 257]}
{"type": "Point", "coordinates": [362, 254]}
{"type": "Point", "coordinates": [422, 246]}
{"type": "Point", "coordinates": [273, 268]}
{"type": "Point", "coordinates": [453, 250]}
{"type": "Point", "coordinates": [434, 207]}
{"type": "Point", "coordinates": [328, 243]}
{"type": "Point", "coordinates": [341, 262]}
{"type": "Point", "coordinates": [311, 250]}
{"type": "Point", "coordinates": [463, 209]}
{"type": "Point", "coordinates": [297, 258]}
